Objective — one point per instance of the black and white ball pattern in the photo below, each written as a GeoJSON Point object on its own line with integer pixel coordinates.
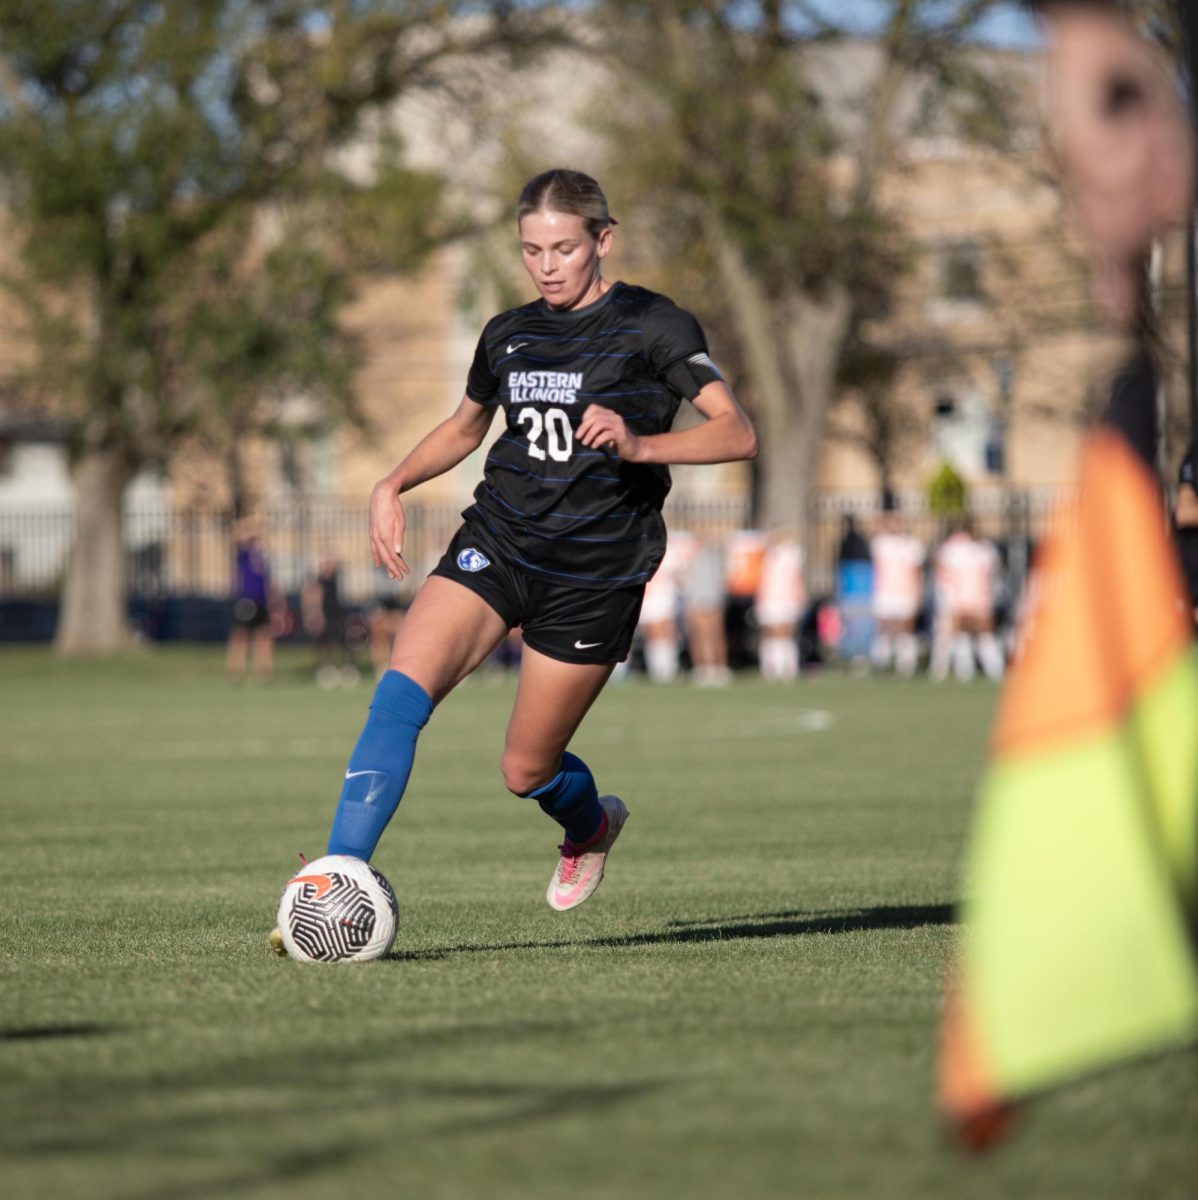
{"type": "Point", "coordinates": [338, 909]}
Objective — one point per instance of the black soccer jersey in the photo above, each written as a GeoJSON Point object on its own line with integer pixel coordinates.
{"type": "Point", "coordinates": [567, 512]}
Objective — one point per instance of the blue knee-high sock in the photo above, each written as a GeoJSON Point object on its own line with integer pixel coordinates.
{"type": "Point", "coordinates": [572, 800]}
{"type": "Point", "coordinates": [380, 765]}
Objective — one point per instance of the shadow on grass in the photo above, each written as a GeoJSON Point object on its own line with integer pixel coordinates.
{"type": "Point", "coordinates": [38, 1033]}
{"type": "Point", "coordinates": [279, 1109]}
{"type": "Point", "coordinates": [513, 1104]}
{"type": "Point", "coordinates": [278, 1168]}
{"type": "Point", "coordinates": [718, 929]}
{"type": "Point", "coordinates": [282, 1094]}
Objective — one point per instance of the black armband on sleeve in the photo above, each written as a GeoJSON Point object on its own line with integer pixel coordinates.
{"type": "Point", "coordinates": [689, 376]}
{"type": "Point", "coordinates": [677, 350]}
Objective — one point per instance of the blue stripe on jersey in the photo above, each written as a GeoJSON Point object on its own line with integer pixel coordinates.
{"type": "Point", "coordinates": [498, 462]}
{"type": "Point", "coordinates": [558, 361]}
{"type": "Point", "coordinates": [561, 515]}
{"type": "Point", "coordinates": [585, 578]}
{"type": "Point", "coordinates": [564, 537]}
{"type": "Point", "coordinates": [523, 444]}
{"type": "Point", "coordinates": [544, 337]}
{"type": "Point", "coordinates": [638, 392]}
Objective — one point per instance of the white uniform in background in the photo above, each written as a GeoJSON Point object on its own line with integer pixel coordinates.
{"type": "Point", "coordinates": [966, 572]}
{"type": "Point", "coordinates": [898, 560]}
{"type": "Point", "coordinates": [780, 601]}
{"type": "Point", "coordinates": [704, 603]}
{"type": "Point", "coordinates": [660, 608]}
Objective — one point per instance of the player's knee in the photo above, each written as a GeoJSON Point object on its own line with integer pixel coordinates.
{"type": "Point", "coordinates": [523, 774]}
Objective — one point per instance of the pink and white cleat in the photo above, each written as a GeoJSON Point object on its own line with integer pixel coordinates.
{"type": "Point", "coordinates": [580, 869]}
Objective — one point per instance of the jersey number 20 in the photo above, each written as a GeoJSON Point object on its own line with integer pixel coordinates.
{"type": "Point", "coordinates": [554, 423]}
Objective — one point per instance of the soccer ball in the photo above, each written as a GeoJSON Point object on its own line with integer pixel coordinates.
{"type": "Point", "coordinates": [338, 909]}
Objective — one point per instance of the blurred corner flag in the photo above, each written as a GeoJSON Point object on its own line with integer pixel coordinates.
{"type": "Point", "coordinates": [1081, 882]}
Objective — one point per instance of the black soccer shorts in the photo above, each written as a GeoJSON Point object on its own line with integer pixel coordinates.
{"type": "Point", "coordinates": [249, 614]}
{"type": "Point", "coordinates": [570, 624]}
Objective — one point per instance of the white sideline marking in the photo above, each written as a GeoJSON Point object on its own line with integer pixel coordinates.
{"type": "Point", "coordinates": [167, 751]}
{"type": "Point", "coordinates": [807, 720]}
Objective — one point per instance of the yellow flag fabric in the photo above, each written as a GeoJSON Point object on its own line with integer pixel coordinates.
{"type": "Point", "coordinates": [1077, 946]}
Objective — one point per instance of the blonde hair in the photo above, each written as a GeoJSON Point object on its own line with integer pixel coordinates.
{"type": "Point", "coordinates": [565, 191]}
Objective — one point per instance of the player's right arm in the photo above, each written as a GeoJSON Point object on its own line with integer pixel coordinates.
{"type": "Point", "coordinates": [437, 452]}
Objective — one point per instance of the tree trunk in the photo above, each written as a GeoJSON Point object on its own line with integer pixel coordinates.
{"type": "Point", "coordinates": [790, 452]}
{"type": "Point", "coordinates": [817, 328]}
{"type": "Point", "coordinates": [92, 617]}
{"type": "Point", "coordinates": [792, 346]}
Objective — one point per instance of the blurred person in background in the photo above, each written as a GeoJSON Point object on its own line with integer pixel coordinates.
{"type": "Point", "coordinates": [325, 623]}
{"type": "Point", "coordinates": [966, 578]}
{"type": "Point", "coordinates": [251, 637]}
{"type": "Point", "coordinates": [743, 551]}
{"type": "Point", "coordinates": [781, 599]}
{"type": "Point", "coordinates": [978, 603]}
{"type": "Point", "coordinates": [383, 619]}
{"type": "Point", "coordinates": [854, 592]}
{"type": "Point", "coordinates": [661, 609]}
{"type": "Point", "coordinates": [704, 610]}
{"type": "Point", "coordinates": [898, 561]}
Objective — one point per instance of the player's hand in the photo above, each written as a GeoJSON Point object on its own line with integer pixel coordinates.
{"type": "Point", "coordinates": [387, 525]}
{"type": "Point", "coordinates": [602, 428]}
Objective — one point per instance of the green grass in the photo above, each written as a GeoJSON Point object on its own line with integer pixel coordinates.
{"type": "Point", "coordinates": [746, 1009]}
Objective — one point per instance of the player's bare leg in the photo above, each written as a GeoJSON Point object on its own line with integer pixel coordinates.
{"type": "Point", "coordinates": [237, 653]}
{"type": "Point", "coordinates": [551, 701]}
{"type": "Point", "coordinates": [882, 650]}
{"type": "Point", "coordinates": [778, 653]}
{"type": "Point", "coordinates": [964, 660]}
{"type": "Point", "coordinates": [708, 646]}
{"type": "Point", "coordinates": [264, 651]}
{"type": "Point", "coordinates": [446, 634]}
{"type": "Point", "coordinates": [906, 649]}
{"type": "Point", "coordinates": [989, 649]}
{"type": "Point", "coordinates": [661, 651]}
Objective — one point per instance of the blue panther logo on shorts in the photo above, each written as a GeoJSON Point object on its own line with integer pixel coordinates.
{"type": "Point", "coordinates": [473, 560]}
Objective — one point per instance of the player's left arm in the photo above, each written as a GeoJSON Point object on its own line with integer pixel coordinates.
{"type": "Point", "coordinates": [725, 435]}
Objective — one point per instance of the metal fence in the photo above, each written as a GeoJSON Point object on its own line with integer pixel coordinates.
{"type": "Point", "coordinates": [174, 553]}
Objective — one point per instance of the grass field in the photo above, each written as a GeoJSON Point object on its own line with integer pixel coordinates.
{"type": "Point", "coordinates": [746, 1009]}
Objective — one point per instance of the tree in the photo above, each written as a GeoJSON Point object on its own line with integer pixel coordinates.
{"type": "Point", "coordinates": [754, 172]}
{"type": "Point", "coordinates": [185, 239]}
{"type": "Point", "coordinates": [880, 425]}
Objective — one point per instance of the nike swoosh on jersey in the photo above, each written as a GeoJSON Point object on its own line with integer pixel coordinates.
{"type": "Point", "coordinates": [586, 645]}
{"type": "Point", "coordinates": [512, 349]}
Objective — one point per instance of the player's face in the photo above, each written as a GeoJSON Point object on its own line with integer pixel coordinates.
{"type": "Point", "coordinates": [562, 258]}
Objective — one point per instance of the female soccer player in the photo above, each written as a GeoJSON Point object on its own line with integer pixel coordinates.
{"type": "Point", "coordinates": [564, 531]}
